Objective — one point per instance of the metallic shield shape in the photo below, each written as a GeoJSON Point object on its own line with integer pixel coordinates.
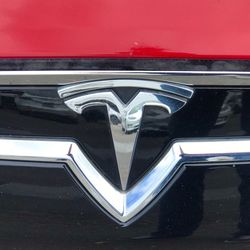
{"type": "Point", "coordinates": [125, 121]}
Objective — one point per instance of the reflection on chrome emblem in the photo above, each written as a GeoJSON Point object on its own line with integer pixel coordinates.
{"type": "Point", "coordinates": [125, 118]}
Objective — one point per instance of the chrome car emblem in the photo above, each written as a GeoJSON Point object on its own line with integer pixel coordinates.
{"type": "Point", "coordinates": [125, 205]}
{"type": "Point", "coordinates": [125, 120]}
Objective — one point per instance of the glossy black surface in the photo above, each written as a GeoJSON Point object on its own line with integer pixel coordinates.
{"type": "Point", "coordinates": [40, 112]}
{"type": "Point", "coordinates": [43, 207]}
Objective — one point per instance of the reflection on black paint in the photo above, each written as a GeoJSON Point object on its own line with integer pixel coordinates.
{"type": "Point", "coordinates": [244, 190]}
{"type": "Point", "coordinates": [243, 233]}
{"type": "Point", "coordinates": [70, 217]}
{"type": "Point", "coordinates": [181, 213]}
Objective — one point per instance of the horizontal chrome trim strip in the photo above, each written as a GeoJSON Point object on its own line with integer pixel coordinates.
{"type": "Point", "coordinates": [57, 77]}
{"type": "Point", "coordinates": [120, 204]}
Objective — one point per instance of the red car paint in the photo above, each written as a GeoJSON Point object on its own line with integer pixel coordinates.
{"type": "Point", "coordinates": [125, 28]}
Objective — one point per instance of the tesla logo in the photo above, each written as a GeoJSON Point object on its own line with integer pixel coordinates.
{"type": "Point", "coordinates": [125, 118]}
